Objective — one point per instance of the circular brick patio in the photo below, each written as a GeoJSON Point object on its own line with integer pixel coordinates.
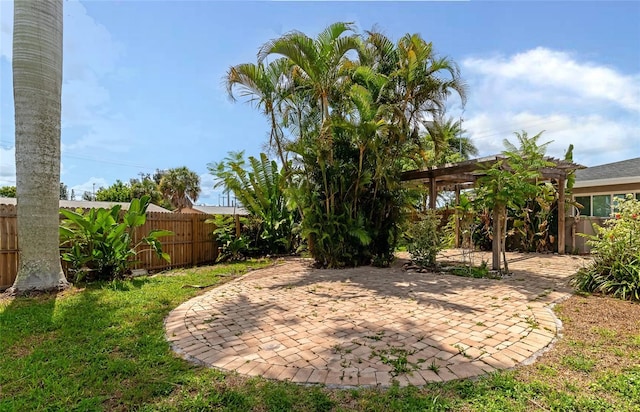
{"type": "Point", "coordinates": [368, 326]}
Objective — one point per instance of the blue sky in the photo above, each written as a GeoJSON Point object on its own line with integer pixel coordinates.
{"type": "Point", "coordinates": [143, 79]}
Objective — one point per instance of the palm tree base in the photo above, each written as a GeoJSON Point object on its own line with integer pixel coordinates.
{"type": "Point", "coordinates": [25, 288]}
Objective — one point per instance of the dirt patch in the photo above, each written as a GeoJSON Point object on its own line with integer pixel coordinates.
{"type": "Point", "coordinates": [601, 337]}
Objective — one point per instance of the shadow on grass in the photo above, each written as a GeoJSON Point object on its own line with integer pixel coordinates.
{"type": "Point", "coordinates": [93, 348]}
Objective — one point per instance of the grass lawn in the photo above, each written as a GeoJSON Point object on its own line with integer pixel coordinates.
{"type": "Point", "coordinates": [102, 347]}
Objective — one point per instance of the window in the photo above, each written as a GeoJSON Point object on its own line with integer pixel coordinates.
{"type": "Point", "coordinates": [585, 201]}
{"type": "Point", "coordinates": [602, 205]}
{"type": "Point", "coordinates": [616, 198]}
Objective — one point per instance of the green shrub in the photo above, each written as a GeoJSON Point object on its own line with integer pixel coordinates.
{"type": "Point", "coordinates": [615, 269]}
{"type": "Point", "coordinates": [99, 243]}
{"type": "Point", "coordinates": [260, 186]}
{"type": "Point", "coordinates": [424, 240]}
{"type": "Point", "coordinates": [232, 247]}
{"type": "Point", "coordinates": [477, 272]}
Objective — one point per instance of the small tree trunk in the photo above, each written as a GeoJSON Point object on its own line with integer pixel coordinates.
{"type": "Point", "coordinates": [496, 242]}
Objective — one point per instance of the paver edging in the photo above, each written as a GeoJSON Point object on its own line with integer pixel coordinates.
{"type": "Point", "coordinates": [557, 335]}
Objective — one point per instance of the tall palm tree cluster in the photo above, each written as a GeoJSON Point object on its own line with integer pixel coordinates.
{"type": "Point", "coordinates": [347, 113]}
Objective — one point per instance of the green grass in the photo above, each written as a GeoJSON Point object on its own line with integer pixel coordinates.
{"type": "Point", "coordinates": [102, 347]}
{"type": "Point", "coordinates": [578, 363]}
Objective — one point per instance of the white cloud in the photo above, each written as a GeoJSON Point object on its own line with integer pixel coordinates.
{"type": "Point", "coordinates": [557, 72]}
{"type": "Point", "coordinates": [596, 139]}
{"type": "Point", "coordinates": [592, 106]}
{"type": "Point", "coordinates": [7, 166]}
{"type": "Point", "coordinates": [88, 46]}
{"type": "Point", "coordinates": [91, 55]}
{"type": "Point", "coordinates": [6, 29]}
{"type": "Point", "coordinates": [206, 184]}
{"type": "Point", "coordinates": [209, 195]}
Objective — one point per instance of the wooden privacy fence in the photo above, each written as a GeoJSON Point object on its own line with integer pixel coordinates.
{"type": "Point", "coordinates": [191, 244]}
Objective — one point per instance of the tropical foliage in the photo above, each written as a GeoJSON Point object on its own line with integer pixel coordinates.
{"type": "Point", "coordinates": [348, 111]}
{"type": "Point", "coordinates": [180, 187]}
{"type": "Point", "coordinates": [615, 247]}
{"type": "Point", "coordinates": [446, 142]}
{"type": "Point", "coordinates": [259, 185]}
{"type": "Point", "coordinates": [145, 185]}
{"type": "Point", "coordinates": [117, 192]}
{"type": "Point", "coordinates": [8, 191]}
{"type": "Point", "coordinates": [425, 240]}
{"type": "Point", "coordinates": [99, 243]}
{"type": "Point", "coordinates": [136, 188]}
{"type": "Point", "coordinates": [233, 246]}
{"type": "Point", "coordinates": [514, 190]}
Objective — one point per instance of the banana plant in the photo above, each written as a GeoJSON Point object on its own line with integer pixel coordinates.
{"type": "Point", "coordinates": [100, 242]}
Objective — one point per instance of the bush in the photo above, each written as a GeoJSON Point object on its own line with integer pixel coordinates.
{"type": "Point", "coordinates": [424, 240]}
{"type": "Point", "coordinates": [98, 243]}
{"type": "Point", "coordinates": [616, 250]}
{"type": "Point", "coordinates": [232, 247]}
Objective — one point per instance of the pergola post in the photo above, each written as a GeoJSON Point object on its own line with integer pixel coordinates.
{"type": "Point", "coordinates": [236, 218]}
{"type": "Point", "coordinates": [561, 216]}
{"type": "Point", "coordinates": [433, 193]}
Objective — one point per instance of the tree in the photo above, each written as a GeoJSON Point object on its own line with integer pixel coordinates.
{"type": "Point", "coordinates": [262, 84]}
{"type": "Point", "coordinates": [259, 186]}
{"type": "Point", "coordinates": [180, 187]}
{"type": "Point", "coordinates": [73, 195]}
{"type": "Point", "coordinates": [117, 192]}
{"type": "Point", "coordinates": [37, 85]}
{"type": "Point", "coordinates": [8, 191]}
{"type": "Point", "coordinates": [350, 110]}
{"type": "Point", "coordinates": [317, 67]}
{"type": "Point", "coordinates": [64, 192]}
{"type": "Point", "coordinates": [447, 140]}
{"type": "Point", "coordinates": [146, 185]}
{"type": "Point", "coordinates": [509, 183]}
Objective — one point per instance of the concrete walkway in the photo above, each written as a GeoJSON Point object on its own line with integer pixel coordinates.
{"type": "Point", "coordinates": [368, 326]}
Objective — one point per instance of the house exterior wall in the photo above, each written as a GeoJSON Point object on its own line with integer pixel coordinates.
{"type": "Point", "coordinates": [574, 226]}
{"type": "Point", "coordinates": [584, 224]}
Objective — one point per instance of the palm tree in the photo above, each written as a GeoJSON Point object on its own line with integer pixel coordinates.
{"type": "Point", "coordinates": [352, 107]}
{"type": "Point", "coordinates": [420, 81]}
{"type": "Point", "coordinates": [266, 86]}
{"type": "Point", "coordinates": [145, 186]}
{"type": "Point", "coordinates": [447, 139]}
{"type": "Point", "coordinates": [317, 66]}
{"type": "Point", "coordinates": [37, 86]}
{"type": "Point", "coordinates": [180, 186]}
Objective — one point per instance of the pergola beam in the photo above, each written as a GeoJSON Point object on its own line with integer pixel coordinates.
{"type": "Point", "coordinates": [464, 174]}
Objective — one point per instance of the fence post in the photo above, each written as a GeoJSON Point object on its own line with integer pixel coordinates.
{"type": "Point", "coordinates": [194, 255]}
{"type": "Point", "coordinates": [237, 220]}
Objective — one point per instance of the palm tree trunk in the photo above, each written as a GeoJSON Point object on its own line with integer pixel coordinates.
{"type": "Point", "coordinates": [357, 188]}
{"type": "Point", "coordinates": [276, 138]}
{"type": "Point", "coordinates": [37, 86]}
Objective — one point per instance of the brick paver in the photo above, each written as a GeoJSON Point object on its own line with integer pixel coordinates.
{"type": "Point", "coordinates": [368, 326]}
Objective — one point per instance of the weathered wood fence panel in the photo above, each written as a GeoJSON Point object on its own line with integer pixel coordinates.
{"type": "Point", "coordinates": [8, 245]}
{"type": "Point", "coordinates": [192, 243]}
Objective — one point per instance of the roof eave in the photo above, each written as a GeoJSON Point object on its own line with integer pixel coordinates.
{"type": "Point", "coordinates": [607, 182]}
